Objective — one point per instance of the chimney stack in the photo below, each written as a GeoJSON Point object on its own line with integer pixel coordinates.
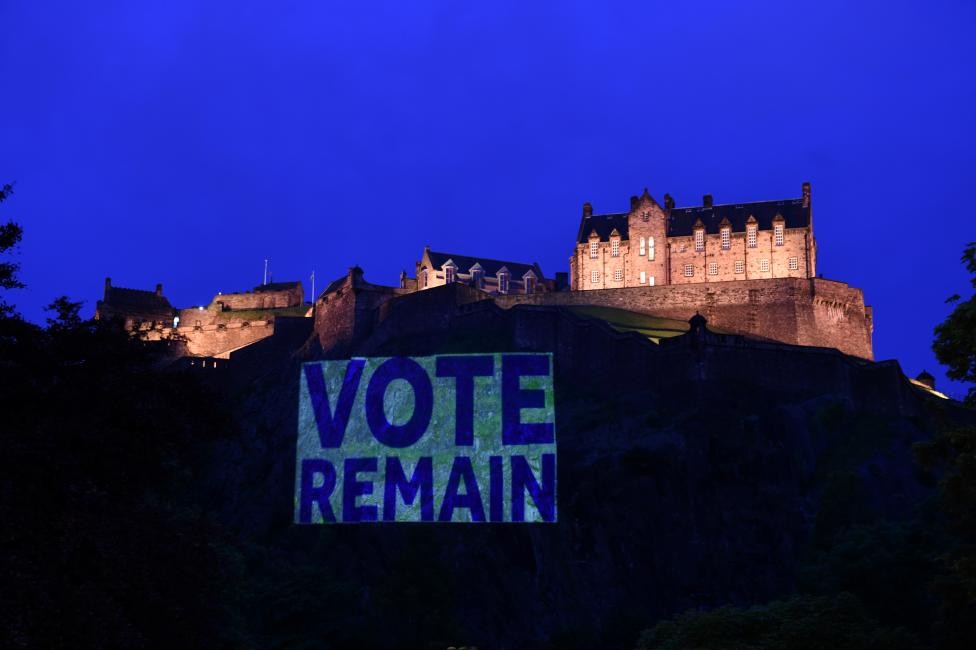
{"type": "Point", "coordinates": [806, 195]}
{"type": "Point", "coordinates": [633, 202]}
{"type": "Point", "coordinates": [159, 289]}
{"type": "Point", "coordinates": [587, 209]}
{"type": "Point", "coordinates": [707, 200]}
{"type": "Point", "coordinates": [668, 202]}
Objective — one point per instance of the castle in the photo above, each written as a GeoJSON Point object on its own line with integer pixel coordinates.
{"type": "Point", "coordinates": [749, 268]}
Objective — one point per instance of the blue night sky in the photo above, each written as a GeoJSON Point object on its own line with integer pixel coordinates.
{"type": "Point", "coordinates": [184, 142]}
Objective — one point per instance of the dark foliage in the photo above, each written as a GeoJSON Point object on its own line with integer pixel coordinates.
{"type": "Point", "coordinates": [103, 545]}
{"type": "Point", "coordinates": [955, 338]}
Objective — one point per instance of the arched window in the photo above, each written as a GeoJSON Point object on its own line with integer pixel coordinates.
{"type": "Point", "coordinates": [650, 248]}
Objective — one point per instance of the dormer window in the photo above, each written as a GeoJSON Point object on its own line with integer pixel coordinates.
{"type": "Point", "coordinates": [503, 282]}
{"type": "Point", "coordinates": [477, 278]}
{"type": "Point", "coordinates": [594, 250]}
{"type": "Point", "coordinates": [643, 246]}
{"type": "Point", "coordinates": [779, 235]}
{"type": "Point", "coordinates": [726, 238]}
{"type": "Point", "coordinates": [699, 240]}
{"type": "Point", "coordinates": [529, 281]}
{"type": "Point", "coordinates": [450, 274]}
{"type": "Point", "coordinates": [615, 247]}
{"type": "Point", "coordinates": [751, 235]}
{"type": "Point", "coordinates": [650, 249]}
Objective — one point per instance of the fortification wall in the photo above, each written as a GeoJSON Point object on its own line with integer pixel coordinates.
{"type": "Point", "coordinates": [799, 311]}
{"type": "Point", "coordinates": [212, 340]}
{"type": "Point", "coordinates": [279, 299]}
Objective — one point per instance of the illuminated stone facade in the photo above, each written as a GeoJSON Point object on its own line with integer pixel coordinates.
{"type": "Point", "coordinates": [653, 245]}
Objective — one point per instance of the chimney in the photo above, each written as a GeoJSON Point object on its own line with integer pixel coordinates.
{"type": "Point", "coordinates": [587, 210]}
{"type": "Point", "coordinates": [633, 202]}
{"type": "Point", "coordinates": [668, 202]}
{"type": "Point", "coordinates": [108, 285]}
{"type": "Point", "coordinates": [806, 195]}
{"type": "Point", "coordinates": [159, 289]}
{"type": "Point", "coordinates": [707, 200]}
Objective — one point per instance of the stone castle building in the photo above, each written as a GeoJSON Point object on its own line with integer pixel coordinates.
{"type": "Point", "coordinates": [652, 245]}
{"type": "Point", "coordinates": [748, 268]}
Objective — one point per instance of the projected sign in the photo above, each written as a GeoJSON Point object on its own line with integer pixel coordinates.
{"type": "Point", "coordinates": [450, 438]}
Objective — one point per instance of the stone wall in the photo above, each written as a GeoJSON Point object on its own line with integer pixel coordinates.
{"type": "Point", "coordinates": [261, 299]}
{"type": "Point", "coordinates": [799, 311]}
{"type": "Point", "coordinates": [214, 339]}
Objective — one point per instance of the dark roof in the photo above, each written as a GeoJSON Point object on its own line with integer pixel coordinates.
{"type": "Point", "coordinates": [276, 286]}
{"type": "Point", "coordinates": [604, 225]}
{"type": "Point", "coordinates": [681, 221]}
{"type": "Point", "coordinates": [119, 297]}
{"type": "Point", "coordinates": [491, 267]}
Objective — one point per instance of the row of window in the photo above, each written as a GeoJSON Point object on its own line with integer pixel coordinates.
{"type": "Point", "coordinates": [478, 280]}
{"type": "Point", "coordinates": [740, 267]}
{"type": "Point", "coordinates": [779, 236]}
{"type": "Point", "coordinates": [618, 276]}
{"type": "Point", "coordinates": [646, 248]}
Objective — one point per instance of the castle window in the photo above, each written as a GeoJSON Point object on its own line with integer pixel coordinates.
{"type": "Point", "coordinates": [713, 268]}
{"type": "Point", "coordinates": [594, 250]}
{"type": "Point", "coordinates": [699, 239]}
{"type": "Point", "coordinates": [450, 274]}
{"type": "Point", "coordinates": [645, 216]}
{"type": "Point", "coordinates": [643, 277]}
{"type": "Point", "coordinates": [615, 248]}
{"type": "Point", "coordinates": [423, 278]}
{"type": "Point", "coordinates": [643, 246]}
{"type": "Point", "coordinates": [650, 281]}
{"type": "Point", "coordinates": [751, 235]}
{"type": "Point", "coordinates": [529, 284]}
{"type": "Point", "coordinates": [502, 282]}
{"type": "Point", "coordinates": [595, 277]}
{"type": "Point", "coordinates": [477, 278]}
{"type": "Point", "coordinates": [689, 271]}
{"type": "Point", "coordinates": [794, 264]}
{"type": "Point", "coordinates": [618, 275]}
{"type": "Point", "coordinates": [764, 266]}
{"type": "Point", "coordinates": [778, 234]}
{"type": "Point", "coordinates": [726, 238]}
{"type": "Point", "coordinates": [650, 248]}
{"type": "Point", "coordinates": [740, 266]}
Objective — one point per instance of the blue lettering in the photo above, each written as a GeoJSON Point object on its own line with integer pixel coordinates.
{"type": "Point", "coordinates": [464, 370]}
{"type": "Point", "coordinates": [422, 481]}
{"type": "Point", "coordinates": [318, 493]}
{"type": "Point", "coordinates": [544, 496]}
{"type": "Point", "coordinates": [352, 488]}
{"type": "Point", "coordinates": [399, 435]}
{"type": "Point", "coordinates": [471, 499]}
{"type": "Point", "coordinates": [515, 398]}
{"type": "Point", "coordinates": [332, 427]}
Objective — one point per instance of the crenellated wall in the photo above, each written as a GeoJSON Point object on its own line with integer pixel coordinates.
{"type": "Point", "coordinates": [799, 311]}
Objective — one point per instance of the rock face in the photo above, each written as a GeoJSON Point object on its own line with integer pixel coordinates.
{"type": "Point", "coordinates": [690, 475]}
